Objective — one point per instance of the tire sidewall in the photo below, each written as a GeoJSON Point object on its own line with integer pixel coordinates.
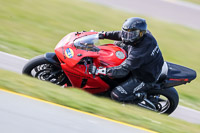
{"type": "Point", "coordinates": [172, 96]}
{"type": "Point", "coordinates": [34, 62]}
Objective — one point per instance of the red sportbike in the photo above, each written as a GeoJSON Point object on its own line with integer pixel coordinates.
{"type": "Point", "coordinates": [77, 51]}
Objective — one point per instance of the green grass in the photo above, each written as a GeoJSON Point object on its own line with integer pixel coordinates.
{"type": "Point", "coordinates": [30, 28]}
{"type": "Point", "coordinates": [81, 100]}
{"type": "Point", "coordinates": [193, 1]}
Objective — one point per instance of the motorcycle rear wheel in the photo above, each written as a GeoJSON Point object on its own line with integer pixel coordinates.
{"type": "Point", "coordinates": [163, 101]}
{"type": "Point", "coordinates": [42, 69]}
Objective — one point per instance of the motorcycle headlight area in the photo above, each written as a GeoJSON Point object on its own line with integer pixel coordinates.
{"type": "Point", "coordinates": [120, 55]}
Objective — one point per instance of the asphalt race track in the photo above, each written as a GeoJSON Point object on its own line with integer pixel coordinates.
{"type": "Point", "coordinates": [174, 11]}
{"type": "Point", "coordinates": [24, 115]}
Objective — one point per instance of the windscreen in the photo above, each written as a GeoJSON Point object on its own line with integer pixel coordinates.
{"type": "Point", "coordinates": [88, 42]}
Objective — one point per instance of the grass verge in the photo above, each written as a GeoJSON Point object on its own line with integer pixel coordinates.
{"type": "Point", "coordinates": [193, 1]}
{"type": "Point", "coordinates": [30, 28]}
{"type": "Point", "coordinates": [81, 100]}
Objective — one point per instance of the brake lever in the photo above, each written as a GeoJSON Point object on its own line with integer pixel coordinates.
{"type": "Point", "coordinates": [91, 63]}
{"type": "Point", "coordinates": [85, 64]}
{"type": "Point", "coordinates": [91, 73]}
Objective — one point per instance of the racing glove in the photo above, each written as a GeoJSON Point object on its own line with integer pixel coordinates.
{"type": "Point", "coordinates": [97, 71]}
{"type": "Point", "coordinates": [101, 35]}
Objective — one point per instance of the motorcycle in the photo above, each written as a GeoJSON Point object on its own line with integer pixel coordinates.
{"type": "Point", "coordinates": [77, 51]}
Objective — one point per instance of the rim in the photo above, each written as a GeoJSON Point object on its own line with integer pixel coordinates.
{"type": "Point", "coordinates": [161, 103]}
{"type": "Point", "coordinates": [158, 103]}
{"type": "Point", "coordinates": [48, 72]}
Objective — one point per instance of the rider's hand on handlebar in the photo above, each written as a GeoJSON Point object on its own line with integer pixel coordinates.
{"type": "Point", "coordinates": [101, 35]}
{"type": "Point", "coordinates": [97, 71]}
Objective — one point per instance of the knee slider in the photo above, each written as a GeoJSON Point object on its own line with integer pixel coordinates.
{"type": "Point", "coordinates": [114, 96]}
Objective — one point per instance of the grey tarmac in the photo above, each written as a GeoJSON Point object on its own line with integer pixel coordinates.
{"type": "Point", "coordinates": [24, 115]}
{"type": "Point", "coordinates": [174, 11]}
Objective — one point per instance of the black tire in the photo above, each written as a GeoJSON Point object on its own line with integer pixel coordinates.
{"type": "Point", "coordinates": [39, 61]}
{"type": "Point", "coordinates": [172, 96]}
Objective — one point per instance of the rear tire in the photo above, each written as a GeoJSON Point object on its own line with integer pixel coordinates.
{"type": "Point", "coordinates": [172, 96]}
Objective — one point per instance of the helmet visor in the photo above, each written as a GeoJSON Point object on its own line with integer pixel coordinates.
{"type": "Point", "coordinates": [130, 35]}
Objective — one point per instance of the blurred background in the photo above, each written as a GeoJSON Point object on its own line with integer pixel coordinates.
{"type": "Point", "coordinates": [33, 27]}
{"type": "Point", "coordinates": [30, 28]}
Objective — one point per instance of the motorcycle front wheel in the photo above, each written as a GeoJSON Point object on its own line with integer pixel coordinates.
{"type": "Point", "coordinates": [39, 67]}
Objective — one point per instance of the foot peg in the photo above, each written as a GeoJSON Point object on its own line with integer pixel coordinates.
{"type": "Point", "coordinates": [140, 96]}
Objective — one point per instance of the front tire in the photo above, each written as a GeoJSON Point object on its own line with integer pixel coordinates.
{"type": "Point", "coordinates": [42, 69]}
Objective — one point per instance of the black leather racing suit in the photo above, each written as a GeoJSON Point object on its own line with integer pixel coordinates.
{"type": "Point", "coordinates": [144, 61]}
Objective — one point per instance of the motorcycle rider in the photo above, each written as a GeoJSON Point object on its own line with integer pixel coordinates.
{"type": "Point", "coordinates": [144, 59]}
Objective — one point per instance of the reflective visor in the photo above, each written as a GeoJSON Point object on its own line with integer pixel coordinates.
{"type": "Point", "coordinates": [130, 36]}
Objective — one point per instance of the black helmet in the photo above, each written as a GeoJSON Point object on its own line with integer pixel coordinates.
{"type": "Point", "coordinates": [133, 29]}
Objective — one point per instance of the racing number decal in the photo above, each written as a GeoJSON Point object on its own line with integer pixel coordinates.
{"type": "Point", "coordinates": [69, 53]}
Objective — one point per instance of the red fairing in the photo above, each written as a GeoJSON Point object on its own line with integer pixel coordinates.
{"type": "Point", "coordinates": [71, 52]}
{"type": "Point", "coordinates": [108, 55]}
